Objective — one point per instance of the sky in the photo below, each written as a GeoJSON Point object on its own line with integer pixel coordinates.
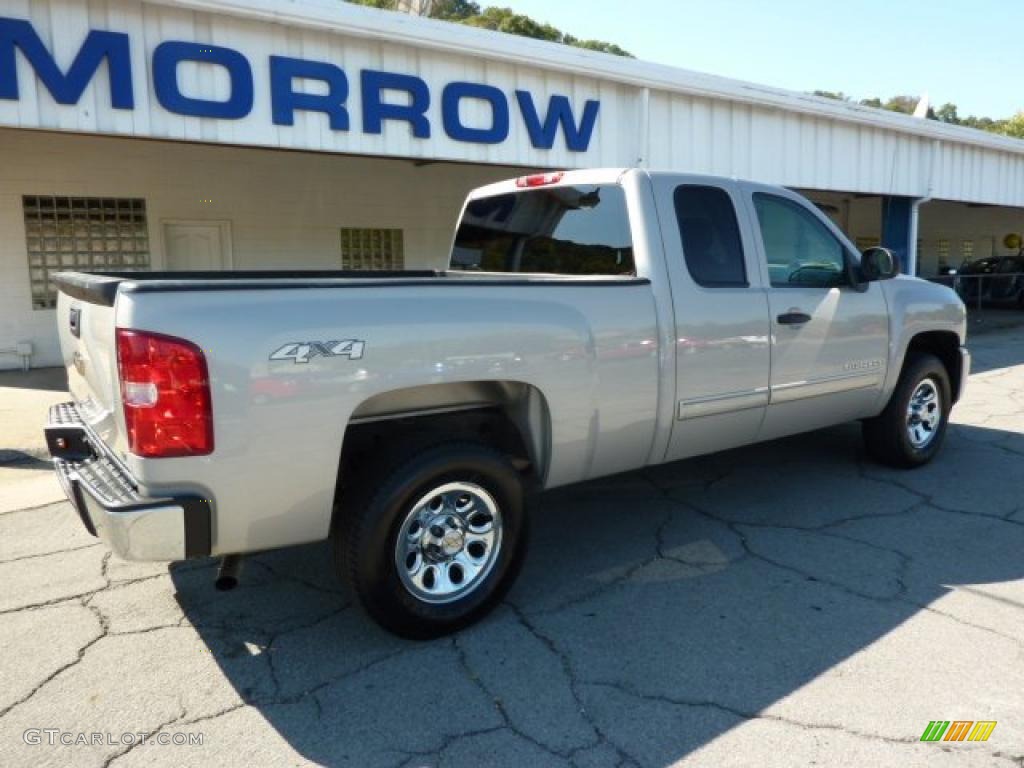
{"type": "Point", "coordinates": [969, 52]}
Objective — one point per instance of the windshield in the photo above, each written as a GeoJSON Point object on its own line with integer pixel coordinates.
{"type": "Point", "coordinates": [579, 230]}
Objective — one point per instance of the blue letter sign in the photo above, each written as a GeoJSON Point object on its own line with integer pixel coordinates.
{"type": "Point", "coordinates": [454, 93]}
{"type": "Point", "coordinates": [166, 58]}
{"type": "Point", "coordinates": [386, 96]}
{"type": "Point", "coordinates": [66, 88]}
{"type": "Point", "coordinates": [542, 135]}
{"type": "Point", "coordinates": [376, 111]}
{"type": "Point", "coordinates": [285, 100]}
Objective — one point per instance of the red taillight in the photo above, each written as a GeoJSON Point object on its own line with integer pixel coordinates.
{"type": "Point", "coordinates": [166, 394]}
{"type": "Point", "coordinates": [540, 179]}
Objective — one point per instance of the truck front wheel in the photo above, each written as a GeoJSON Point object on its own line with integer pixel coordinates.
{"type": "Point", "coordinates": [909, 432]}
{"type": "Point", "coordinates": [432, 544]}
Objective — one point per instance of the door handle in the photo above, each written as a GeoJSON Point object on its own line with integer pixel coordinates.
{"type": "Point", "coordinates": [793, 318]}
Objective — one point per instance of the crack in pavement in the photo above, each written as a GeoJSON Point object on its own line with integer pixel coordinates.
{"type": "Point", "coordinates": [499, 705]}
{"type": "Point", "coordinates": [741, 714]}
{"type": "Point", "coordinates": [118, 755]}
{"type": "Point", "coordinates": [297, 579]}
{"type": "Point", "coordinates": [963, 622]}
{"type": "Point", "coordinates": [38, 555]}
{"type": "Point", "coordinates": [906, 561]}
{"type": "Point", "coordinates": [80, 654]}
{"type": "Point", "coordinates": [88, 594]}
{"type": "Point", "coordinates": [571, 676]}
{"type": "Point", "coordinates": [621, 578]}
{"type": "Point", "coordinates": [930, 499]}
{"type": "Point", "coordinates": [34, 507]}
{"type": "Point", "coordinates": [276, 636]}
{"type": "Point", "coordinates": [104, 629]}
{"type": "Point", "coordinates": [53, 601]}
{"type": "Point", "coordinates": [736, 529]}
{"type": "Point", "coordinates": [449, 741]}
{"type": "Point", "coordinates": [823, 530]}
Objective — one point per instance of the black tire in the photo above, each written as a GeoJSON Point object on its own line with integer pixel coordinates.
{"type": "Point", "coordinates": [371, 520]}
{"type": "Point", "coordinates": [887, 438]}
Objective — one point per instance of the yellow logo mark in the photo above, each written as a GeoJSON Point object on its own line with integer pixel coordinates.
{"type": "Point", "coordinates": [958, 730]}
{"type": "Point", "coordinates": [982, 730]}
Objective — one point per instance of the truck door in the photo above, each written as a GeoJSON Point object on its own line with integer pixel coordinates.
{"type": "Point", "coordinates": [721, 315]}
{"type": "Point", "coordinates": [829, 338]}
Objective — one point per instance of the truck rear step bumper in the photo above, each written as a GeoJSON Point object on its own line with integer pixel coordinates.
{"type": "Point", "coordinates": [108, 500]}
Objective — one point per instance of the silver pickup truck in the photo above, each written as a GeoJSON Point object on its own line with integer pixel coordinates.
{"type": "Point", "coordinates": [589, 323]}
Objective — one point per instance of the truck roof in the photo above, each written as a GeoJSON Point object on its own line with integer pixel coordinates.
{"type": "Point", "coordinates": [564, 178]}
{"type": "Point", "coordinates": [554, 178]}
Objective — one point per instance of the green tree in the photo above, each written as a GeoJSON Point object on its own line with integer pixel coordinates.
{"type": "Point", "coordinates": [454, 10]}
{"type": "Point", "coordinates": [508, 21]}
{"type": "Point", "coordinates": [837, 95]}
{"type": "Point", "coordinates": [904, 104]}
{"type": "Point", "coordinates": [598, 45]}
{"type": "Point", "coordinates": [502, 20]}
{"type": "Point", "coordinates": [1014, 126]}
{"type": "Point", "coordinates": [947, 113]}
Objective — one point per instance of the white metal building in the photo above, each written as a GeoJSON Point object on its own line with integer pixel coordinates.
{"type": "Point", "coordinates": [199, 134]}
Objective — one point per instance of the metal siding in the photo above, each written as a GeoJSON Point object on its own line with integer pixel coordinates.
{"type": "Point", "coordinates": [696, 123]}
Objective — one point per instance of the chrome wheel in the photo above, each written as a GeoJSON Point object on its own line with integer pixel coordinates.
{"type": "Point", "coordinates": [924, 413]}
{"type": "Point", "coordinates": [448, 542]}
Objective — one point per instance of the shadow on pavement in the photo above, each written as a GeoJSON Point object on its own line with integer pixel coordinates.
{"type": "Point", "coordinates": [46, 379]}
{"type": "Point", "coordinates": [16, 459]}
{"type": "Point", "coordinates": [998, 350]}
{"type": "Point", "coordinates": [657, 611]}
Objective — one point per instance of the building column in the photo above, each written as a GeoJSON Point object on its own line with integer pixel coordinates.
{"type": "Point", "coordinates": [897, 215]}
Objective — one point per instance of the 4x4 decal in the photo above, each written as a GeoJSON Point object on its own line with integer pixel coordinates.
{"type": "Point", "coordinates": [304, 351]}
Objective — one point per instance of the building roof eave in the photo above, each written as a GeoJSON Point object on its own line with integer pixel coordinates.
{"type": "Point", "coordinates": [349, 18]}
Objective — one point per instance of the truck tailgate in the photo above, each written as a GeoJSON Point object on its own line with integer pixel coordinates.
{"type": "Point", "coordinates": [88, 349]}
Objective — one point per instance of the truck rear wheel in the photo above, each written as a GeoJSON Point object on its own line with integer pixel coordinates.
{"type": "Point", "coordinates": [910, 431]}
{"type": "Point", "coordinates": [434, 543]}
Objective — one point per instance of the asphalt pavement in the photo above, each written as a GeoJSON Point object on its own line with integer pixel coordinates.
{"type": "Point", "coordinates": [785, 604]}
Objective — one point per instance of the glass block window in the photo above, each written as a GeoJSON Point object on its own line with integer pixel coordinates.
{"type": "Point", "coordinates": [967, 249]}
{"type": "Point", "coordinates": [943, 249]}
{"type": "Point", "coordinates": [864, 242]}
{"type": "Point", "coordinates": [372, 249]}
{"type": "Point", "coordinates": [68, 233]}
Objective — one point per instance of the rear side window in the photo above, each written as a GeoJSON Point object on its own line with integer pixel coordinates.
{"type": "Point", "coordinates": [711, 236]}
{"type": "Point", "coordinates": [579, 230]}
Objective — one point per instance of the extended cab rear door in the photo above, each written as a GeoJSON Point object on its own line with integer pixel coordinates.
{"type": "Point", "coordinates": [829, 337]}
{"type": "Point", "coordinates": [721, 314]}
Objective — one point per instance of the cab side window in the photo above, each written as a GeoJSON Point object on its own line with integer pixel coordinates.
{"type": "Point", "coordinates": [801, 251]}
{"type": "Point", "coordinates": [711, 236]}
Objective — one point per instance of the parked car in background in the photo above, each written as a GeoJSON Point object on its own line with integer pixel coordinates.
{"type": "Point", "coordinates": [999, 279]}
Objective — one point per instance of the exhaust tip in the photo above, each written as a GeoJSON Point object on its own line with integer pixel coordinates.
{"type": "Point", "coordinates": [227, 574]}
{"type": "Point", "coordinates": [225, 583]}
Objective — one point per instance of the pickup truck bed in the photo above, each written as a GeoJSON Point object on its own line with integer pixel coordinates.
{"type": "Point", "coordinates": [491, 341]}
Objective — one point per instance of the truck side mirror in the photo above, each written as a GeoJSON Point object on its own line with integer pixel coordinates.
{"type": "Point", "coordinates": [878, 264]}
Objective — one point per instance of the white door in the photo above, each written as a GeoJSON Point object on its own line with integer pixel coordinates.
{"type": "Point", "coordinates": [830, 336]}
{"type": "Point", "coordinates": [194, 246]}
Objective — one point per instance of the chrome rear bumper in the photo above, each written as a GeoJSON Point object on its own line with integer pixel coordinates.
{"type": "Point", "coordinates": [108, 500]}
